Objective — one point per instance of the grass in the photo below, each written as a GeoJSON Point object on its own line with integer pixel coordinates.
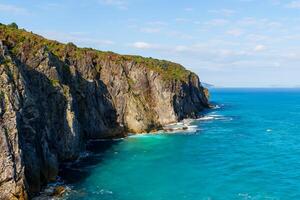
{"type": "Point", "coordinates": [20, 41]}
{"type": "Point", "coordinates": [54, 82]}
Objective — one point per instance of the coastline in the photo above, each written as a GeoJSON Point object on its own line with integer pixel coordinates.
{"type": "Point", "coordinates": [225, 144]}
{"type": "Point", "coordinates": [61, 187]}
{"type": "Point", "coordinates": [54, 97]}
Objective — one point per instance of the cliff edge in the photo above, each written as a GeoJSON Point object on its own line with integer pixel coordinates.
{"type": "Point", "coordinates": [54, 97]}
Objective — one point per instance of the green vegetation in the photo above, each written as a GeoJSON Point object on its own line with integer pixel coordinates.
{"type": "Point", "coordinates": [66, 90]}
{"type": "Point", "coordinates": [20, 41]}
{"type": "Point", "coordinates": [5, 61]}
{"type": "Point", "coordinates": [54, 82]}
{"type": "Point", "coordinates": [131, 82]}
{"type": "Point", "coordinates": [13, 25]}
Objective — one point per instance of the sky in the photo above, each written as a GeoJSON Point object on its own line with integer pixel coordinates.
{"type": "Point", "coordinates": [228, 43]}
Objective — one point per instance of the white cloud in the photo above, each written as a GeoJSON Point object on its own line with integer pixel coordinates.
{"type": "Point", "coordinates": [274, 24]}
{"type": "Point", "coordinates": [13, 9]}
{"type": "Point", "coordinates": [179, 35]}
{"type": "Point", "coordinates": [181, 20]}
{"type": "Point", "coordinates": [207, 51]}
{"type": "Point", "coordinates": [79, 38]}
{"type": "Point", "coordinates": [50, 6]}
{"type": "Point", "coordinates": [189, 9]}
{"type": "Point", "coordinates": [293, 4]}
{"type": "Point", "coordinates": [158, 23]}
{"type": "Point", "coordinates": [275, 2]}
{"type": "Point", "coordinates": [225, 12]}
{"type": "Point", "coordinates": [150, 30]}
{"type": "Point", "coordinates": [181, 48]}
{"type": "Point", "coordinates": [217, 22]}
{"type": "Point", "coordinates": [253, 37]}
{"type": "Point", "coordinates": [259, 48]}
{"type": "Point", "coordinates": [258, 23]}
{"type": "Point", "coordinates": [143, 45]}
{"type": "Point", "coordinates": [272, 2]}
{"type": "Point", "coordinates": [248, 21]}
{"type": "Point", "coordinates": [121, 4]}
{"type": "Point", "coordinates": [235, 32]}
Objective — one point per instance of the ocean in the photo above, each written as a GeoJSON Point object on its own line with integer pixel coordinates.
{"type": "Point", "coordinates": [246, 148]}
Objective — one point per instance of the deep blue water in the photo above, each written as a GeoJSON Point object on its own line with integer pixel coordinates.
{"type": "Point", "coordinates": [249, 148]}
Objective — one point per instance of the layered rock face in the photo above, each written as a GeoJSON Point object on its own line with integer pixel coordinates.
{"type": "Point", "coordinates": [54, 97]}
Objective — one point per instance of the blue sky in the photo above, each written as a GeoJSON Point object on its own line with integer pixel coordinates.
{"type": "Point", "coordinates": [229, 43]}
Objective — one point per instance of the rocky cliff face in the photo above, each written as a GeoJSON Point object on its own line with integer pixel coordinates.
{"type": "Point", "coordinates": [54, 97]}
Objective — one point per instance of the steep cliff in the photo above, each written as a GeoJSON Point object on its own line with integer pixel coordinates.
{"type": "Point", "coordinates": [54, 97]}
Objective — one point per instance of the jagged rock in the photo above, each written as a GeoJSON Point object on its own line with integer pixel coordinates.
{"type": "Point", "coordinates": [54, 97]}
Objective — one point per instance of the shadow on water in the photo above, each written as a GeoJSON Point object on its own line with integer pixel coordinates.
{"type": "Point", "coordinates": [75, 172]}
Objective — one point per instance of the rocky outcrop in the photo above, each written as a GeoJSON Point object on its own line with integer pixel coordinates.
{"type": "Point", "coordinates": [54, 97]}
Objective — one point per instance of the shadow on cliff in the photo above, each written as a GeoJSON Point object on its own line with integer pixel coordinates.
{"type": "Point", "coordinates": [97, 117]}
{"type": "Point", "coordinates": [49, 136]}
{"type": "Point", "coordinates": [41, 125]}
{"type": "Point", "coordinates": [192, 105]}
{"type": "Point", "coordinates": [75, 172]}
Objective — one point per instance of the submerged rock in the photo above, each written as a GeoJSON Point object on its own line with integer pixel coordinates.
{"type": "Point", "coordinates": [54, 97]}
{"type": "Point", "coordinates": [59, 191]}
{"type": "Point", "coordinates": [51, 193]}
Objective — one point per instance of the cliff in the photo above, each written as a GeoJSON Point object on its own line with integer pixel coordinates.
{"type": "Point", "coordinates": [54, 97]}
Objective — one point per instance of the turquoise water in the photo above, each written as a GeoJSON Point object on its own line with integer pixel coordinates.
{"type": "Point", "coordinates": [249, 148]}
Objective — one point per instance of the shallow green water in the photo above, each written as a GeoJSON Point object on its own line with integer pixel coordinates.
{"type": "Point", "coordinates": [249, 148]}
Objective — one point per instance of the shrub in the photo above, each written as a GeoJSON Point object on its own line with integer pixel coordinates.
{"type": "Point", "coordinates": [13, 25]}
